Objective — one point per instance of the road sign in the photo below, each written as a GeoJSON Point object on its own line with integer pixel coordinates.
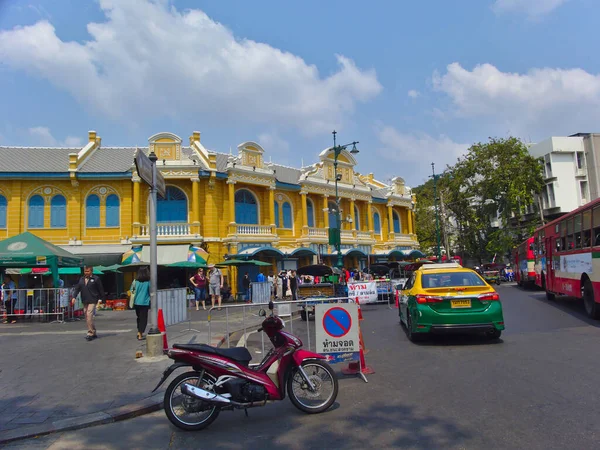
{"type": "Point", "coordinates": [337, 330]}
{"type": "Point", "coordinates": [143, 164]}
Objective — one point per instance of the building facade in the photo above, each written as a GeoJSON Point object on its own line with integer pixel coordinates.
{"type": "Point", "coordinates": [91, 202]}
{"type": "Point", "coordinates": [566, 174]}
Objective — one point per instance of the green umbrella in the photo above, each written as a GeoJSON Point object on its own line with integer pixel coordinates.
{"type": "Point", "coordinates": [76, 271]}
{"type": "Point", "coordinates": [232, 262]}
{"type": "Point", "coordinates": [133, 267]}
{"type": "Point", "coordinates": [187, 265]}
{"type": "Point", "coordinates": [111, 268]}
{"type": "Point", "coordinates": [255, 262]}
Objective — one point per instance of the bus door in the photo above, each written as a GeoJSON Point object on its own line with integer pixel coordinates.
{"type": "Point", "coordinates": [549, 269]}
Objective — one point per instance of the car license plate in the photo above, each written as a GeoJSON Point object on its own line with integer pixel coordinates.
{"type": "Point", "coordinates": [460, 303]}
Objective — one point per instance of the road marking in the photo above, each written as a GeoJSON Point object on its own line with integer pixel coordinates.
{"type": "Point", "coordinates": [42, 333]}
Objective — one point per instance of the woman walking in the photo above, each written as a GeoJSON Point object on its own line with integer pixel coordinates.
{"type": "Point", "coordinates": [140, 289]}
{"type": "Point", "coordinates": [199, 282]}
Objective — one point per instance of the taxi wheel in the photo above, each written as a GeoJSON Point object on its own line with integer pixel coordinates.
{"type": "Point", "coordinates": [410, 334]}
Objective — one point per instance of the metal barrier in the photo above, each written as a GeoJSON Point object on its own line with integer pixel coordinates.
{"type": "Point", "coordinates": [250, 320]}
{"type": "Point", "coordinates": [174, 304]}
{"type": "Point", "coordinates": [261, 292]}
{"type": "Point", "coordinates": [36, 303]}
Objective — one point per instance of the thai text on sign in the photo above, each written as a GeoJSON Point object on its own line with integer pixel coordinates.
{"type": "Point", "coordinates": [366, 292]}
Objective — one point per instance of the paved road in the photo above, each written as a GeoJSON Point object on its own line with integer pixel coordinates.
{"type": "Point", "coordinates": [535, 389]}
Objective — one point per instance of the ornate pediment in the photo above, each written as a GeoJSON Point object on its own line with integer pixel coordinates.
{"type": "Point", "coordinates": [166, 146]}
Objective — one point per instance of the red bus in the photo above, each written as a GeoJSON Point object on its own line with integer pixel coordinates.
{"type": "Point", "coordinates": [570, 256]}
{"type": "Point", "coordinates": [524, 257]}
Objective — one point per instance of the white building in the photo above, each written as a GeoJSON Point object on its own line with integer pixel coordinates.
{"type": "Point", "coordinates": [566, 174]}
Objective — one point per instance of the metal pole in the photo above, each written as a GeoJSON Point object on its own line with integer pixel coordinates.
{"type": "Point", "coordinates": [153, 251]}
{"type": "Point", "coordinates": [437, 222]}
{"type": "Point", "coordinates": [338, 243]}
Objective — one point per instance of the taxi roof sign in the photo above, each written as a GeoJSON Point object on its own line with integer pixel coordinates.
{"type": "Point", "coordinates": [438, 266]}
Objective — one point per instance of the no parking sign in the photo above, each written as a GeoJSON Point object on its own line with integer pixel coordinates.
{"type": "Point", "coordinates": [337, 331]}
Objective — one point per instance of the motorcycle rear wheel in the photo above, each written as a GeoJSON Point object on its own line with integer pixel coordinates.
{"type": "Point", "coordinates": [179, 405]}
{"type": "Point", "coordinates": [325, 380]}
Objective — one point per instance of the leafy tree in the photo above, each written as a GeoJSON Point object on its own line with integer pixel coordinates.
{"type": "Point", "coordinates": [492, 188]}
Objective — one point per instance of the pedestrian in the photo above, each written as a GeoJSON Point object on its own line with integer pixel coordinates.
{"type": "Point", "coordinates": [140, 289]}
{"type": "Point", "coordinates": [271, 281]}
{"type": "Point", "coordinates": [294, 285]}
{"type": "Point", "coordinates": [91, 290]}
{"type": "Point", "coordinates": [199, 282]}
{"type": "Point", "coordinates": [9, 294]}
{"type": "Point", "coordinates": [279, 286]}
{"type": "Point", "coordinates": [246, 287]}
{"type": "Point", "coordinates": [215, 284]}
{"type": "Point", "coordinates": [284, 281]}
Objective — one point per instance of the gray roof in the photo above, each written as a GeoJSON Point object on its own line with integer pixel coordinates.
{"type": "Point", "coordinates": [35, 159]}
{"type": "Point", "coordinates": [222, 162]}
{"type": "Point", "coordinates": [110, 160]}
{"type": "Point", "coordinates": [380, 193]}
{"type": "Point", "coordinates": [286, 174]}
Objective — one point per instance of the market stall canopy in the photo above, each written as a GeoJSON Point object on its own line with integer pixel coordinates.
{"type": "Point", "coordinates": [187, 265]}
{"type": "Point", "coordinates": [318, 270]}
{"type": "Point", "coordinates": [111, 268]}
{"type": "Point", "coordinates": [28, 250]}
{"type": "Point", "coordinates": [254, 262]}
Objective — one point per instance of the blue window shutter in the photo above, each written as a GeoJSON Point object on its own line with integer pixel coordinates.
{"type": "Point", "coordinates": [58, 212]}
{"type": "Point", "coordinates": [377, 223]}
{"type": "Point", "coordinates": [287, 215]}
{"type": "Point", "coordinates": [310, 212]}
{"type": "Point", "coordinates": [112, 211]}
{"type": "Point", "coordinates": [3, 205]}
{"type": "Point", "coordinates": [277, 214]}
{"type": "Point", "coordinates": [173, 208]}
{"type": "Point", "coordinates": [332, 216]}
{"type": "Point", "coordinates": [396, 223]}
{"type": "Point", "coordinates": [92, 211]}
{"type": "Point", "coordinates": [246, 210]}
{"type": "Point", "coordinates": [36, 212]}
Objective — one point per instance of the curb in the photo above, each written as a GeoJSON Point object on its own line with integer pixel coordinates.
{"type": "Point", "coordinates": [145, 406]}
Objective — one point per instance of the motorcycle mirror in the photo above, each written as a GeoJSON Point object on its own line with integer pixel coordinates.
{"type": "Point", "coordinates": [271, 306]}
{"type": "Point", "coordinates": [262, 313]}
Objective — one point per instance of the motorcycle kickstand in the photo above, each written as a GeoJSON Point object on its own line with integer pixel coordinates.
{"type": "Point", "coordinates": [246, 412]}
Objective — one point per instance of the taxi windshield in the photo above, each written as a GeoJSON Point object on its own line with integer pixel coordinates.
{"type": "Point", "coordinates": [433, 280]}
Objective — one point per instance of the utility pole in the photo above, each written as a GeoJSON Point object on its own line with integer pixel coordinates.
{"type": "Point", "coordinates": [437, 220]}
{"type": "Point", "coordinates": [444, 227]}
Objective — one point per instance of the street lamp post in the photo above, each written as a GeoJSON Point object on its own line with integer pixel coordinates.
{"type": "Point", "coordinates": [337, 149]}
{"type": "Point", "coordinates": [437, 220]}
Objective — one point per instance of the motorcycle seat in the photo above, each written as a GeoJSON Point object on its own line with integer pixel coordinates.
{"type": "Point", "coordinates": [239, 354]}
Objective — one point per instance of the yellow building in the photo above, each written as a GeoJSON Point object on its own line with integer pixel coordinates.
{"type": "Point", "coordinates": [91, 202]}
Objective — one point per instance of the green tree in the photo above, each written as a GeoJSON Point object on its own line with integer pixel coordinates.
{"type": "Point", "coordinates": [491, 189]}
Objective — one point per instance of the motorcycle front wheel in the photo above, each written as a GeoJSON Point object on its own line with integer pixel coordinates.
{"type": "Point", "coordinates": [325, 382]}
{"type": "Point", "coordinates": [187, 412]}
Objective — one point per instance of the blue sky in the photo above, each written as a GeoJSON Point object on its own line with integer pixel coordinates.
{"type": "Point", "coordinates": [414, 82]}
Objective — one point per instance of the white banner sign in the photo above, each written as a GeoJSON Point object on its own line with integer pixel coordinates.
{"type": "Point", "coordinates": [366, 292]}
{"type": "Point", "coordinates": [576, 263]}
{"type": "Point", "coordinates": [337, 328]}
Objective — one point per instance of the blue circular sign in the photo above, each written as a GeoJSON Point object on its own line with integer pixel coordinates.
{"type": "Point", "coordinates": [337, 322]}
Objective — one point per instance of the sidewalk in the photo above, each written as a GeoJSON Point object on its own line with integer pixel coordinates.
{"type": "Point", "coordinates": [51, 378]}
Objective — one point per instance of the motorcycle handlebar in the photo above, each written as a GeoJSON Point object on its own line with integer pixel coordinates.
{"type": "Point", "coordinates": [259, 330]}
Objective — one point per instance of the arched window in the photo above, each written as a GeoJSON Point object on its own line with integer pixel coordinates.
{"type": "Point", "coordinates": [92, 211]}
{"type": "Point", "coordinates": [277, 214]}
{"type": "Point", "coordinates": [58, 212]}
{"type": "Point", "coordinates": [356, 218]}
{"type": "Point", "coordinates": [246, 209]}
{"type": "Point", "coordinates": [287, 215]}
{"type": "Point", "coordinates": [397, 227]}
{"type": "Point", "coordinates": [3, 204]}
{"type": "Point", "coordinates": [332, 216]}
{"type": "Point", "coordinates": [173, 208]}
{"type": "Point", "coordinates": [310, 212]}
{"type": "Point", "coordinates": [376, 223]}
{"type": "Point", "coordinates": [112, 211]}
{"type": "Point", "coordinates": [36, 212]}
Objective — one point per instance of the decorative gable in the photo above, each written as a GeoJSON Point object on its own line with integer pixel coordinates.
{"type": "Point", "coordinates": [166, 146]}
{"type": "Point", "coordinates": [251, 154]}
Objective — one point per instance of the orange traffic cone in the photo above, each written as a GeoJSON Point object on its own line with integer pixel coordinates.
{"type": "Point", "coordinates": [361, 366]}
{"type": "Point", "coordinates": [397, 305]}
{"type": "Point", "coordinates": [360, 317]}
{"type": "Point", "coordinates": [163, 330]}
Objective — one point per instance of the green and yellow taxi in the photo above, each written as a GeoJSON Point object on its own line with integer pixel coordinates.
{"type": "Point", "coordinates": [446, 297]}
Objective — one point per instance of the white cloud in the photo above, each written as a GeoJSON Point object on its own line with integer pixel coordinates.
{"type": "Point", "coordinates": [148, 59]}
{"type": "Point", "coordinates": [544, 101]}
{"type": "Point", "coordinates": [413, 93]}
{"type": "Point", "coordinates": [533, 8]}
{"type": "Point", "coordinates": [272, 142]}
{"type": "Point", "coordinates": [43, 137]}
{"type": "Point", "coordinates": [414, 152]}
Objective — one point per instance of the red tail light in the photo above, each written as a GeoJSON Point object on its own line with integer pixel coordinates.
{"type": "Point", "coordinates": [429, 299]}
{"type": "Point", "coordinates": [490, 296]}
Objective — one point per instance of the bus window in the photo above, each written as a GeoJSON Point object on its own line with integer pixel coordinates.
{"type": "Point", "coordinates": [596, 225]}
{"type": "Point", "coordinates": [563, 235]}
{"type": "Point", "coordinates": [577, 230]}
{"type": "Point", "coordinates": [587, 228]}
{"type": "Point", "coordinates": [558, 246]}
{"type": "Point", "coordinates": [570, 241]}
